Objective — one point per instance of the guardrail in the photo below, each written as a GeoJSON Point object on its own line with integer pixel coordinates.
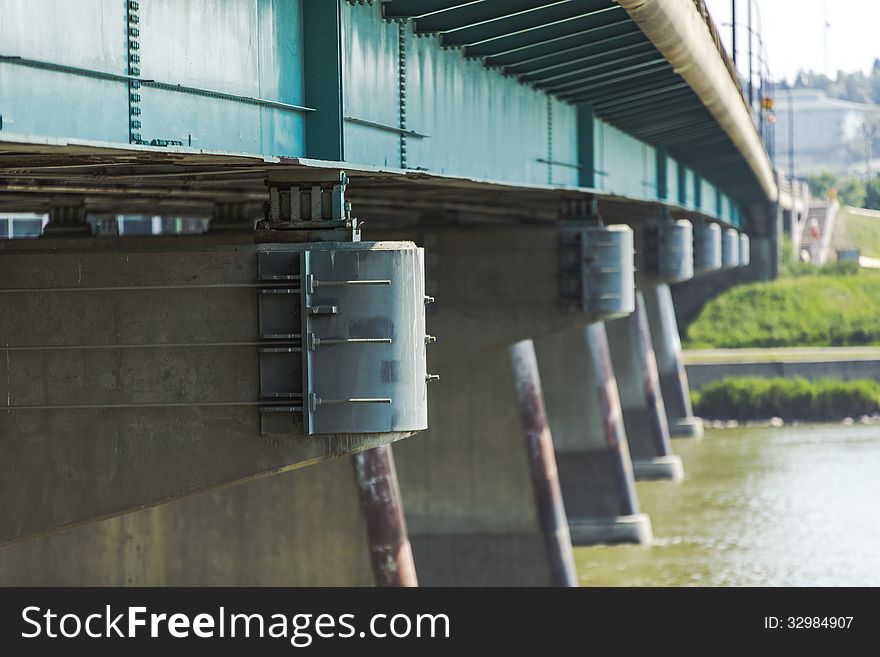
{"type": "Point", "coordinates": [716, 37]}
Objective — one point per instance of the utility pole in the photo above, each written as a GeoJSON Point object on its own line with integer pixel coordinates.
{"type": "Point", "coordinates": [790, 131]}
{"type": "Point", "coordinates": [751, 92]}
{"type": "Point", "coordinates": [733, 31]}
{"type": "Point", "coordinates": [869, 137]}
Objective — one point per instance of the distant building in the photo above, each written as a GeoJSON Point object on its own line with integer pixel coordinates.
{"type": "Point", "coordinates": [827, 131]}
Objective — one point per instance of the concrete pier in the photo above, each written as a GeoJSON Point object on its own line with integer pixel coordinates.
{"type": "Point", "coordinates": [586, 421]}
{"type": "Point", "coordinates": [300, 528]}
{"type": "Point", "coordinates": [479, 507]}
{"type": "Point", "coordinates": [138, 371]}
{"type": "Point", "coordinates": [670, 363]}
{"type": "Point", "coordinates": [638, 383]}
{"type": "Point", "coordinates": [478, 487]}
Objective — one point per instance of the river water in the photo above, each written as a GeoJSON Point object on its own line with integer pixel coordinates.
{"type": "Point", "coordinates": [790, 506]}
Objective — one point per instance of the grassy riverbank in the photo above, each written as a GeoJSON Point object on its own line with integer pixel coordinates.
{"type": "Point", "coordinates": [792, 399]}
{"type": "Point", "coordinates": [859, 229]}
{"type": "Point", "coordinates": [837, 305]}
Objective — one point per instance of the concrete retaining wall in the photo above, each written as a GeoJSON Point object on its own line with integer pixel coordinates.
{"type": "Point", "coordinates": [701, 375]}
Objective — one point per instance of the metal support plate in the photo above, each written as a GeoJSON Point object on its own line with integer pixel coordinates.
{"type": "Point", "coordinates": [355, 314]}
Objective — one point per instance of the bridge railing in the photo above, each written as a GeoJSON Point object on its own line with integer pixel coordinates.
{"type": "Point", "coordinates": [716, 37]}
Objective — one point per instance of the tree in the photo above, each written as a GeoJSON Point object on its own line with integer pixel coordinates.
{"type": "Point", "coordinates": [821, 182]}
{"type": "Point", "coordinates": [856, 86]}
{"type": "Point", "coordinates": [851, 191]}
{"type": "Point", "coordinates": [872, 200]}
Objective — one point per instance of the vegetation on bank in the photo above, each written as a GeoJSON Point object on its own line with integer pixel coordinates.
{"type": "Point", "coordinates": [748, 398]}
{"type": "Point", "coordinates": [856, 229]}
{"type": "Point", "coordinates": [837, 305]}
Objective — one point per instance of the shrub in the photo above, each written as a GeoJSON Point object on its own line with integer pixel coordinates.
{"type": "Point", "coordinates": [745, 398]}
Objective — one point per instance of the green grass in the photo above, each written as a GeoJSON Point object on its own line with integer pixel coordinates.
{"type": "Point", "coordinates": [838, 305]}
{"type": "Point", "coordinates": [792, 399]}
{"type": "Point", "coordinates": [864, 232]}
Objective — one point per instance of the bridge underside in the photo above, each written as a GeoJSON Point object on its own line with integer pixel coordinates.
{"type": "Point", "coordinates": [593, 52]}
{"type": "Point", "coordinates": [119, 179]}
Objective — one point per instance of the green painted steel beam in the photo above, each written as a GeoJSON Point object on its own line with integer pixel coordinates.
{"type": "Point", "coordinates": [697, 150]}
{"type": "Point", "coordinates": [596, 56]}
{"type": "Point", "coordinates": [693, 143]}
{"type": "Point", "coordinates": [576, 36]}
{"type": "Point", "coordinates": [581, 93]}
{"type": "Point", "coordinates": [417, 8]}
{"type": "Point", "coordinates": [663, 123]}
{"type": "Point", "coordinates": [482, 13]}
{"type": "Point", "coordinates": [631, 40]}
{"type": "Point", "coordinates": [673, 132]}
{"type": "Point", "coordinates": [584, 73]}
{"type": "Point", "coordinates": [612, 100]}
{"type": "Point", "coordinates": [585, 146]}
{"type": "Point", "coordinates": [661, 160]}
{"type": "Point", "coordinates": [509, 24]}
{"type": "Point", "coordinates": [589, 53]}
{"type": "Point", "coordinates": [691, 150]}
{"type": "Point", "coordinates": [626, 87]}
{"type": "Point", "coordinates": [648, 111]}
{"type": "Point", "coordinates": [715, 162]}
{"type": "Point", "coordinates": [497, 45]}
{"type": "Point", "coordinates": [688, 114]}
{"type": "Point", "coordinates": [322, 64]}
{"type": "Point", "coordinates": [639, 106]}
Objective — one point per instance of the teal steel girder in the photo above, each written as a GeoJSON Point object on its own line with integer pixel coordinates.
{"type": "Point", "coordinates": [681, 127]}
{"type": "Point", "coordinates": [516, 40]}
{"type": "Point", "coordinates": [331, 80]}
{"type": "Point", "coordinates": [617, 27]}
{"type": "Point", "coordinates": [612, 101]}
{"type": "Point", "coordinates": [468, 26]}
{"type": "Point", "coordinates": [669, 107]}
{"type": "Point", "coordinates": [416, 8]}
{"type": "Point", "coordinates": [655, 71]}
{"type": "Point", "coordinates": [587, 52]}
{"type": "Point", "coordinates": [322, 65]}
{"type": "Point", "coordinates": [472, 14]}
{"type": "Point", "coordinates": [575, 59]}
{"type": "Point", "coordinates": [573, 86]}
{"type": "Point", "coordinates": [596, 71]}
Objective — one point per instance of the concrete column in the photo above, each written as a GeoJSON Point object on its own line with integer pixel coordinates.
{"type": "Point", "coordinates": [638, 383]}
{"type": "Point", "coordinates": [595, 470]}
{"type": "Point", "coordinates": [480, 487]}
{"type": "Point", "coordinates": [300, 528]}
{"type": "Point", "coordinates": [476, 499]}
{"type": "Point", "coordinates": [542, 463]}
{"type": "Point", "coordinates": [670, 362]}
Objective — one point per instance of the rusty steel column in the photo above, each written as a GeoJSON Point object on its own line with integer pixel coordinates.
{"type": "Point", "coordinates": [542, 464]}
{"type": "Point", "coordinates": [390, 551]}
{"type": "Point", "coordinates": [670, 363]}
{"type": "Point", "coordinates": [638, 383]}
{"type": "Point", "coordinates": [586, 423]}
{"type": "Point", "coordinates": [612, 416]}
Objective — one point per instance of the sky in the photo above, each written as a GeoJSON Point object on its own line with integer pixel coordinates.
{"type": "Point", "coordinates": [795, 38]}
